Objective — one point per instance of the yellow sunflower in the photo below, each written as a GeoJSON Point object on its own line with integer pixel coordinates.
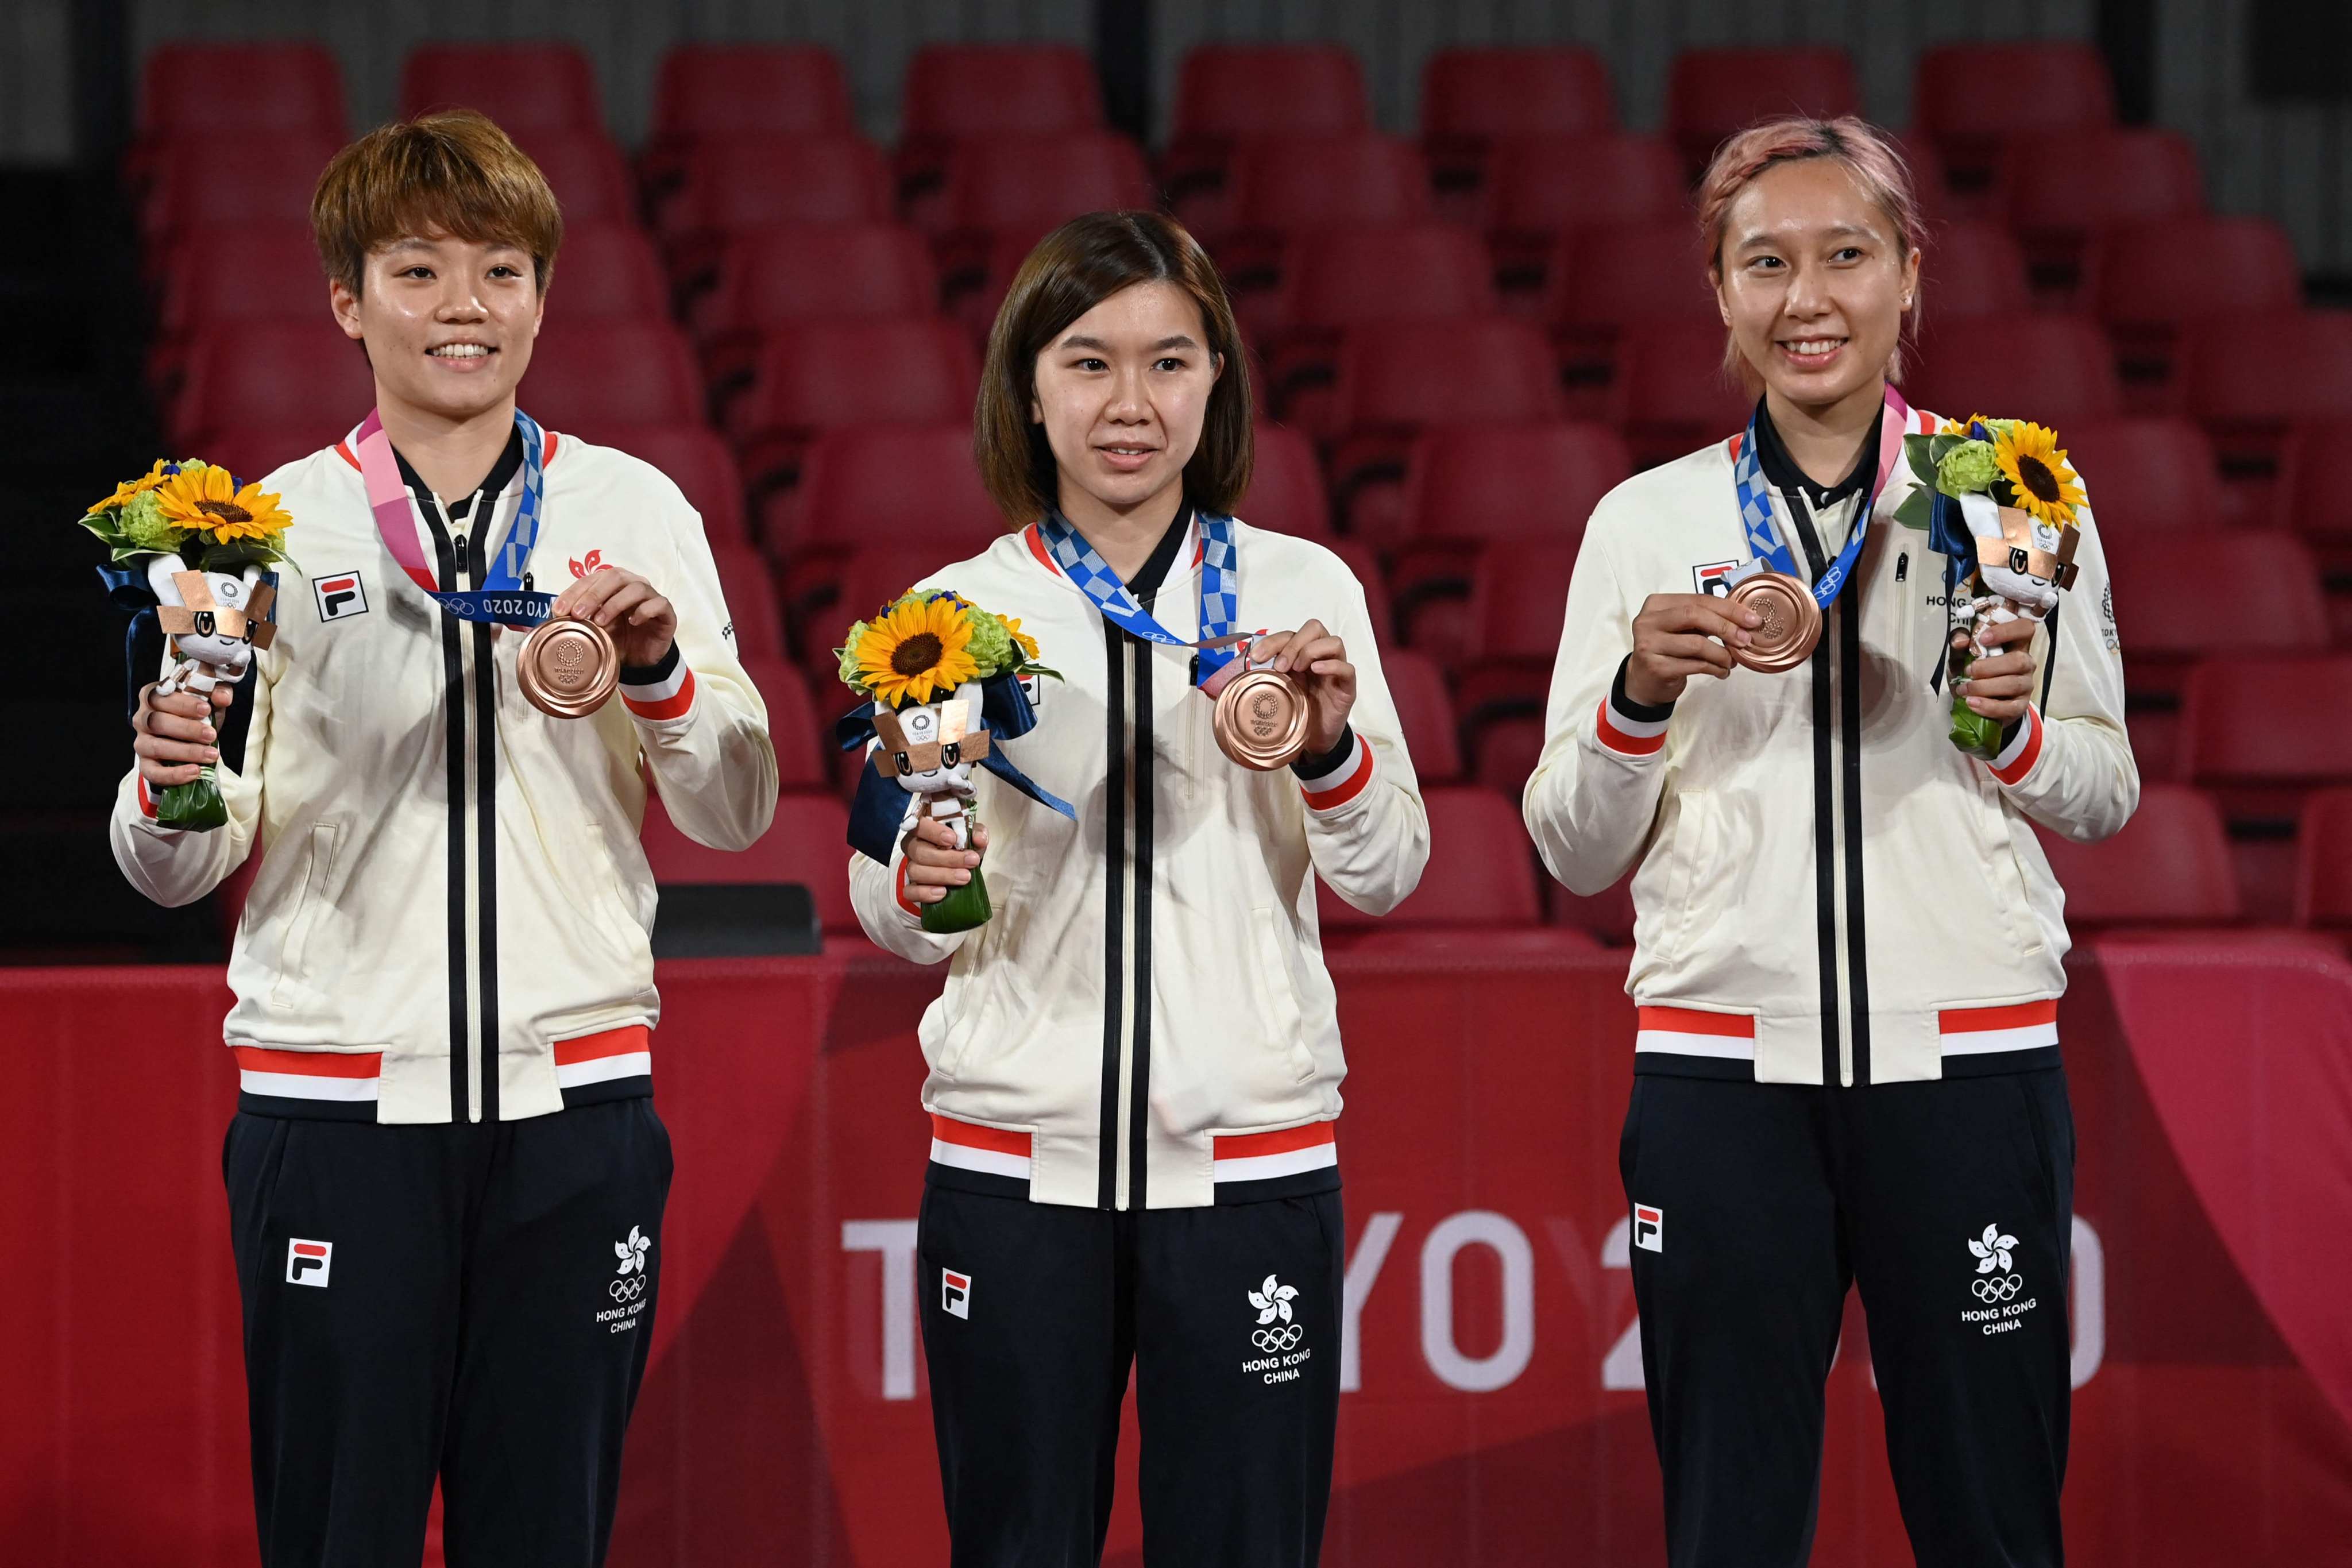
{"type": "Point", "coordinates": [2037, 470]}
{"type": "Point", "coordinates": [154, 479]}
{"type": "Point", "coordinates": [1021, 640]}
{"type": "Point", "coordinates": [207, 498]}
{"type": "Point", "coordinates": [915, 648]}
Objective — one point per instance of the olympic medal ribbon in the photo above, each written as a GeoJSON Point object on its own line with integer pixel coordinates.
{"type": "Point", "coordinates": [1762, 528]}
{"type": "Point", "coordinates": [1217, 648]}
{"type": "Point", "coordinates": [501, 597]}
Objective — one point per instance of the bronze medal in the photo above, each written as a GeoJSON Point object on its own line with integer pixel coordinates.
{"type": "Point", "coordinates": [568, 668]}
{"type": "Point", "coordinates": [1793, 622]}
{"type": "Point", "coordinates": [1261, 720]}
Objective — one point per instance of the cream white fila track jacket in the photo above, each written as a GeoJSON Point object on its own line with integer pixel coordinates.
{"type": "Point", "coordinates": [450, 919]}
{"type": "Point", "coordinates": [1146, 1022]}
{"type": "Point", "coordinates": [1825, 889]}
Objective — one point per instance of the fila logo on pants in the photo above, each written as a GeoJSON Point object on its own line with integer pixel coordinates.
{"type": "Point", "coordinates": [955, 1294]}
{"type": "Point", "coordinates": [1649, 1228]}
{"type": "Point", "coordinates": [308, 1262]}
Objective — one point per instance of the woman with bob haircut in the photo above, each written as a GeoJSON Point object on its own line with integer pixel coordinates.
{"type": "Point", "coordinates": [446, 1177]}
{"type": "Point", "coordinates": [1135, 1066]}
{"type": "Point", "coordinates": [1847, 939]}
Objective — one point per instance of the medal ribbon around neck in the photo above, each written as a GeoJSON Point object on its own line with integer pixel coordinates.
{"type": "Point", "coordinates": [501, 597]}
{"type": "Point", "coordinates": [1763, 529]}
{"type": "Point", "coordinates": [1219, 649]}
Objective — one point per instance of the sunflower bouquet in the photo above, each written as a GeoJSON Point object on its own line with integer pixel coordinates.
{"type": "Point", "coordinates": [2012, 545]}
{"type": "Point", "coordinates": [189, 550]}
{"type": "Point", "coordinates": [941, 677]}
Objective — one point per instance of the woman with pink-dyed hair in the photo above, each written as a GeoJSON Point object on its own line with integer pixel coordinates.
{"type": "Point", "coordinates": [1847, 941]}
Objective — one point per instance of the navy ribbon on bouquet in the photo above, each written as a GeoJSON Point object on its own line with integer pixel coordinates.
{"type": "Point", "coordinates": [880, 809]}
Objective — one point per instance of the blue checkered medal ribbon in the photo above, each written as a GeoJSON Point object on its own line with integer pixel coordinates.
{"type": "Point", "coordinates": [1220, 590]}
{"type": "Point", "coordinates": [501, 595]}
{"type": "Point", "coordinates": [1763, 529]}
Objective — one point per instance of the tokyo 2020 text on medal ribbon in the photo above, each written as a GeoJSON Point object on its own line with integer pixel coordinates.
{"type": "Point", "coordinates": [1770, 583]}
{"type": "Point", "coordinates": [1261, 720]}
{"type": "Point", "coordinates": [567, 667]}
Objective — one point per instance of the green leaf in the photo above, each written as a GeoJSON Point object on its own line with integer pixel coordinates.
{"type": "Point", "coordinates": [1916, 508]}
{"type": "Point", "coordinates": [1923, 466]}
{"type": "Point", "coordinates": [1939, 445]}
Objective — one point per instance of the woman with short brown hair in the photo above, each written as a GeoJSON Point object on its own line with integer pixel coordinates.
{"type": "Point", "coordinates": [1135, 1066]}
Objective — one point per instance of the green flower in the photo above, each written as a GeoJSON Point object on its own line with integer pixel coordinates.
{"type": "Point", "coordinates": [991, 646]}
{"type": "Point", "coordinates": [145, 524]}
{"type": "Point", "coordinates": [1967, 468]}
{"type": "Point", "coordinates": [848, 654]}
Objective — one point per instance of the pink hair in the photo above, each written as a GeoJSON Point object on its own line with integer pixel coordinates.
{"type": "Point", "coordinates": [1867, 153]}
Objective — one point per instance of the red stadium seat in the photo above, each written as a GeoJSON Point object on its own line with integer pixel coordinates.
{"type": "Point", "coordinates": [698, 463]}
{"type": "Point", "coordinates": [911, 484]}
{"type": "Point", "coordinates": [1285, 492]}
{"type": "Point", "coordinates": [1481, 871]}
{"type": "Point", "coordinates": [2275, 720]}
{"type": "Point", "coordinates": [820, 375]}
{"type": "Point", "coordinates": [2323, 884]}
{"type": "Point", "coordinates": [1365, 568]}
{"type": "Point", "coordinates": [1469, 487]}
{"type": "Point", "coordinates": [1714, 92]}
{"type": "Point", "coordinates": [226, 178]}
{"type": "Point", "coordinates": [318, 388]}
{"type": "Point", "coordinates": [1395, 378]}
{"type": "Point", "coordinates": [2062, 187]}
{"type": "Point", "coordinates": [2313, 501]}
{"type": "Point", "coordinates": [234, 272]}
{"type": "Point", "coordinates": [809, 844]}
{"type": "Point", "coordinates": [1518, 598]}
{"type": "Point", "coordinates": [2150, 280]}
{"type": "Point", "coordinates": [751, 601]}
{"type": "Point", "coordinates": [1542, 187]}
{"type": "Point", "coordinates": [524, 86]}
{"type": "Point", "coordinates": [587, 174]}
{"type": "Point", "coordinates": [1285, 186]}
{"type": "Point", "coordinates": [2055, 370]}
{"type": "Point", "coordinates": [1607, 916]}
{"type": "Point", "coordinates": [803, 742]}
{"type": "Point", "coordinates": [249, 452]}
{"type": "Point", "coordinates": [2247, 378]}
{"type": "Point", "coordinates": [2168, 867]}
{"type": "Point", "coordinates": [608, 272]}
{"type": "Point", "coordinates": [2146, 477]}
{"type": "Point", "coordinates": [1973, 269]}
{"type": "Point", "coordinates": [1472, 99]}
{"type": "Point", "coordinates": [1505, 753]}
{"type": "Point", "coordinates": [1340, 277]}
{"type": "Point", "coordinates": [1228, 94]}
{"type": "Point", "coordinates": [1425, 713]}
{"type": "Point", "coordinates": [1021, 187]}
{"type": "Point", "coordinates": [957, 91]}
{"type": "Point", "coordinates": [711, 91]}
{"type": "Point", "coordinates": [797, 272]}
{"type": "Point", "coordinates": [738, 184]}
{"type": "Point", "coordinates": [187, 88]}
{"type": "Point", "coordinates": [2202, 593]}
{"type": "Point", "coordinates": [1970, 99]}
{"type": "Point", "coordinates": [1670, 393]}
{"type": "Point", "coordinates": [587, 376]}
{"type": "Point", "coordinates": [1601, 280]}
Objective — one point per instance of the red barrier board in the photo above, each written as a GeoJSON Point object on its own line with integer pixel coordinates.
{"type": "Point", "coordinates": [1494, 1413]}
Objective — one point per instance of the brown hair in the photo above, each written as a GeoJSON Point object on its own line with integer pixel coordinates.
{"type": "Point", "coordinates": [1866, 152]}
{"type": "Point", "coordinates": [452, 173]}
{"type": "Point", "coordinates": [1073, 270]}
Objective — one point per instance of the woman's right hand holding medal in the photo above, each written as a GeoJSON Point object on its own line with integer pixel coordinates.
{"type": "Point", "coordinates": [1677, 636]}
{"type": "Point", "coordinates": [934, 864]}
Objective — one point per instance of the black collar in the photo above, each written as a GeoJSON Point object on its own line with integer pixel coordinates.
{"type": "Point", "coordinates": [1780, 470]}
{"type": "Point", "coordinates": [1162, 559]}
{"type": "Point", "coordinates": [494, 483]}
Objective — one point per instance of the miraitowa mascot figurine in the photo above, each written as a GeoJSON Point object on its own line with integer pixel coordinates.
{"type": "Point", "coordinates": [942, 683]}
{"type": "Point", "coordinates": [215, 620]}
{"type": "Point", "coordinates": [2000, 501]}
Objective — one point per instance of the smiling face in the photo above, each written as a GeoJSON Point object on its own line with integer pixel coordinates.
{"type": "Point", "coordinates": [448, 323]}
{"type": "Point", "coordinates": [1813, 280]}
{"type": "Point", "coordinates": [1122, 394]}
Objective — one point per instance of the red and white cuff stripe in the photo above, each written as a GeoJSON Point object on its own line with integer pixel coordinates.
{"type": "Point", "coordinates": [1342, 780]}
{"type": "Point", "coordinates": [670, 697]}
{"type": "Point", "coordinates": [602, 1057]}
{"type": "Point", "coordinates": [1626, 735]}
{"type": "Point", "coordinates": [968, 1146]}
{"type": "Point", "coordinates": [2023, 1026]}
{"type": "Point", "coordinates": [2024, 749]}
{"type": "Point", "coordinates": [1693, 1032]}
{"type": "Point", "coordinates": [308, 1074]}
{"type": "Point", "coordinates": [1258, 1156]}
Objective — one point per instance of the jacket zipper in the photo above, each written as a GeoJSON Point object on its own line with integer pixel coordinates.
{"type": "Point", "coordinates": [448, 560]}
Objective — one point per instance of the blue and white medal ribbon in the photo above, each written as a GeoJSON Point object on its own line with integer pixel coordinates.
{"type": "Point", "coordinates": [1218, 646]}
{"type": "Point", "coordinates": [1767, 549]}
{"type": "Point", "coordinates": [501, 597]}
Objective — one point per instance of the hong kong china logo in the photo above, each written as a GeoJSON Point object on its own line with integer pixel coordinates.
{"type": "Point", "coordinates": [1993, 1250]}
{"type": "Point", "coordinates": [1275, 1329]}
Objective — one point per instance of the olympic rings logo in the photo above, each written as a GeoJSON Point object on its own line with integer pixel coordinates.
{"type": "Point", "coordinates": [1281, 1339]}
{"type": "Point", "coordinates": [2000, 1288]}
{"type": "Point", "coordinates": [626, 1289]}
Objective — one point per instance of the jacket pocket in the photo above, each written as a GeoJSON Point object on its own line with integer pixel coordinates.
{"type": "Point", "coordinates": [1285, 1020]}
{"type": "Point", "coordinates": [318, 867]}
